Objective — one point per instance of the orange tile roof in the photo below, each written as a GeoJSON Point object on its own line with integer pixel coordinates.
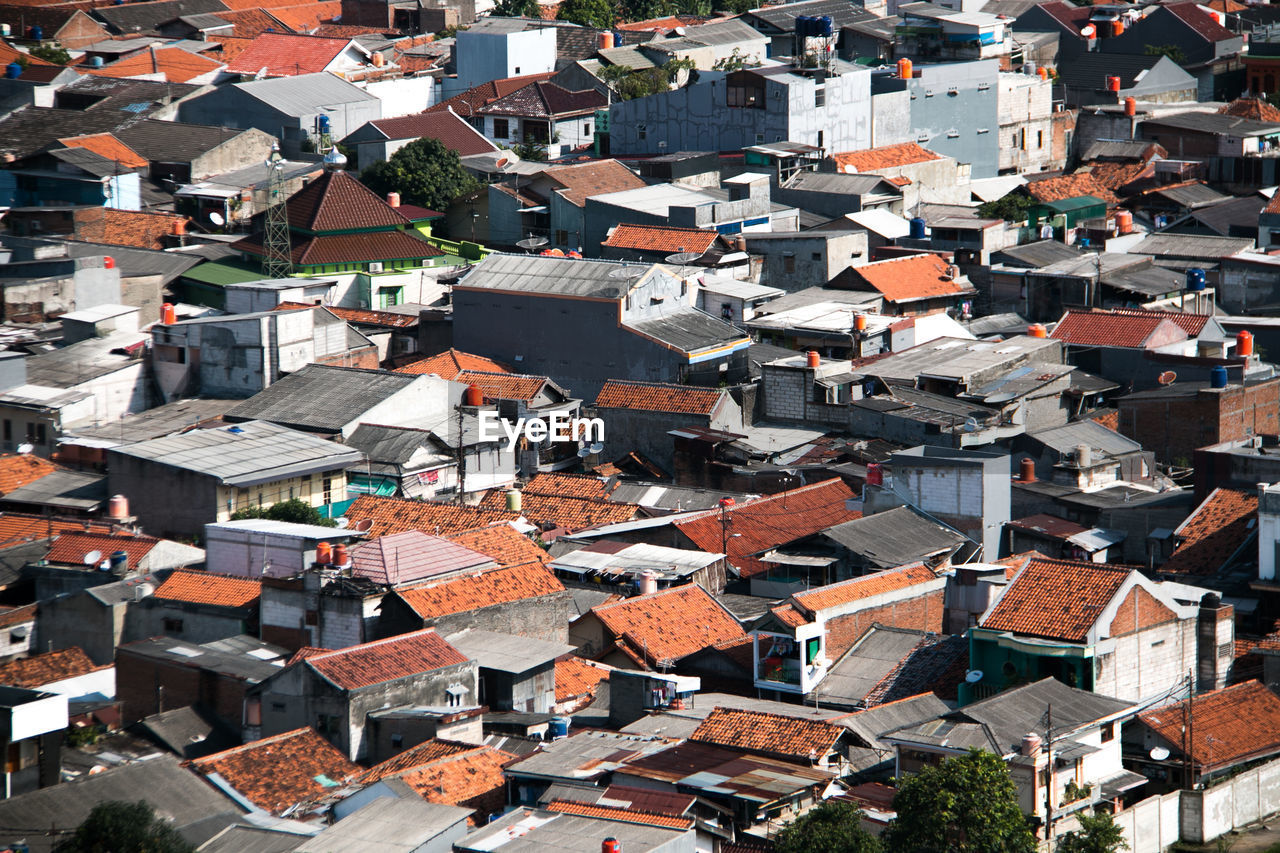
{"type": "Point", "coordinates": [10, 616]}
{"type": "Point", "coordinates": [394, 515]}
{"type": "Point", "coordinates": [359, 315]}
{"type": "Point", "coordinates": [659, 397]}
{"type": "Point", "coordinates": [569, 513]}
{"type": "Point", "coordinates": [768, 734]}
{"type": "Point", "coordinates": [206, 588]}
{"type": "Point", "coordinates": [107, 146]}
{"type": "Point", "coordinates": [70, 548]}
{"type": "Point", "coordinates": [303, 17]}
{"type": "Point", "coordinates": [451, 362]}
{"type": "Point", "coordinates": [502, 543]}
{"type": "Point", "coordinates": [466, 103]}
{"type": "Point", "coordinates": [176, 64]}
{"type": "Point", "coordinates": [42, 669]}
{"type": "Point", "coordinates": [619, 814]}
{"type": "Point", "coordinates": [1228, 726]}
{"type": "Point", "coordinates": [19, 469]}
{"type": "Point", "coordinates": [568, 486]}
{"type": "Point", "coordinates": [667, 625]}
{"type": "Point", "coordinates": [662, 25]}
{"type": "Point", "coordinates": [754, 527]}
{"type": "Point", "coordinates": [249, 23]}
{"type": "Point", "coordinates": [885, 157]}
{"type": "Point", "coordinates": [1056, 599]}
{"type": "Point", "coordinates": [1069, 186]}
{"type": "Point", "coordinates": [497, 586]}
{"type": "Point", "coordinates": [471, 779]}
{"type": "Point", "coordinates": [1192, 324]}
{"type": "Point", "coordinates": [18, 528]}
{"type": "Point", "coordinates": [577, 676]}
{"type": "Point", "coordinates": [580, 182]}
{"type": "Point", "coordinates": [367, 664]}
{"type": "Point", "coordinates": [1213, 532]}
{"type": "Point", "coordinates": [229, 47]}
{"type": "Point", "coordinates": [287, 54]}
{"type": "Point", "coordinates": [502, 385]}
{"type": "Point", "coordinates": [659, 238]}
{"type": "Point", "coordinates": [1097, 327]}
{"type": "Point", "coordinates": [128, 228]}
{"type": "Point", "coordinates": [911, 278]}
{"type": "Point", "coordinates": [788, 615]}
{"type": "Point", "coordinates": [846, 592]}
{"type": "Point", "coordinates": [1254, 108]}
{"type": "Point", "coordinates": [277, 773]}
{"type": "Point", "coordinates": [415, 756]}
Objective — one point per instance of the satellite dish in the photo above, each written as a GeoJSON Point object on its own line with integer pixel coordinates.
{"type": "Point", "coordinates": [597, 447]}
{"type": "Point", "coordinates": [583, 453]}
{"type": "Point", "coordinates": [682, 258]}
{"type": "Point", "coordinates": [92, 558]}
{"type": "Point", "coordinates": [364, 525]}
{"type": "Point", "coordinates": [971, 425]}
{"type": "Point", "coordinates": [26, 448]}
{"type": "Point", "coordinates": [216, 218]}
{"type": "Point", "coordinates": [1167, 378]}
{"type": "Point", "coordinates": [1159, 753]}
{"type": "Point", "coordinates": [529, 244]}
{"type": "Point", "coordinates": [342, 523]}
{"type": "Point", "coordinates": [627, 272]}
{"type": "Point", "coordinates": [973, 676]}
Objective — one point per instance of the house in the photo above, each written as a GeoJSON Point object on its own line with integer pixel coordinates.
{"type": "Point", "coordinates": [498, 48]}
{"type": "Point", "coordinates": [639, 416]}
{"type": "Point", "coordinates": [65, 566]}
{"type": "Point", "coordinates": [561, 192]}
{"type": "Point", "coordinates": [173, 64]}
{"type": "Point", "coordinates": [1078, 759]}
{"type": "Point", "coordinates": [737, 301]}
{"type": "Point", "coordinates": [70, 27]}
{"type": "Point", "coordinates": [621, 567]}
{"type": "Point", "coordinates": [92, 619]}
{"type": "Point", "coordinates": [929, 32]}
{"type": "Point", "coordinates": [1146, 78]}
{"type": "Point", "coordinates": [819, 743]}
{"type": "Point", "coordinates": [379, 139]}
{"type": "Point", "coordinates": [74, 176]}
{"type": "Point", "coordinates": [918, 284]}
{"type": "Point", "coordinates": [1116, 633]}
{"type": "Point", "coordinates": [1108, 458]}
{"type": "Point", "coordinates": [545, 114]}
{"type": "Point", "coordinates": [780, 24]}
{"type": "Point", "coordinates": [395, 335]}
{"type": "Point", "coordinates": [836, 194]}
{"type": "Point", "coordinates": [654, 244]}
{"type": "Point", "coordinates": [198, 607]}
{"type": "Point", "coordinates": [272, 54]}
{"type": "Point", "coordinates": [1193, 135]}
{"type": "Point", "coordinates": [182, 482]}
{"type": "Point", "coordinates": [237, 547]}
{"type": "Point", "coordinates": [280, 774]}
{"type": "Point", "coordinates": [1174, 420]}
{"type": "Point", "coordinates": [68, 672]}
{"type": "Point", "coordinates": [794, 260]}
{"type": "Point", "coordinates": [451, 362]}
{"type": "Point", "coordinates": [421, 824]}
{"type": "Point", "coordinates": [1204, 46]}
{"type": "Point", "coordinates": [340, 688]}
{"type": "Point", "coordinates": [510, 308]}
{"type": "Point", "coordinates": [392, 515]}
{"type": "Point", "coordinates": [401, 462]}
{"type": "Point", "coordinates": [515, 673]}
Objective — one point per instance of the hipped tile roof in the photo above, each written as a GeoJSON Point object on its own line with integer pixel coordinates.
{"type": "Point", "coordinates": [206, 588]}
{"type": "Point", "coordinates": [503, 544]}
{"type": "Point", "coordinates": [569, 513]}
{"type": "Point", "coordinates": [568, 485]}
{"type": "Point", "coordinates": [42, 669]}
{"type": "Point", "coordinates": [911, 278]}
{"type": "Point", "coordinates": [1227, 726]}
{"type": "Point", "coordinates": [277, 773]}
{"type": "Point", "coordinates": [496, 586]}
{"type": "Point", "coordinates": [452, 131]}
{"type": "Point", "coordinates": [128, 228]}
{"type": "Point", "coordinates": [393, 515]}
{"type": "Point", "coordinates": [1252, 108]}
{"type": "Point", "coordinates": [577, 676]}
{"type": "Point", "coordinates": [659, 238]}
{"type": "Point", "coordinates": [1070, 186]}
{"type": "Point", "coordinates": [1056, 599]}
{"type": "Point", "coordinates": [367, 664]}
{"type": "Point", "coordinates": [336, 201]}
{"type": "Point", "coordinates": [469, 102]}
{"type": "Point", "coordinates": [619, 814]}
{"type": "Point", "coordinates": [855, 589]}
{"type": "Point", "coordinates": [287, 54]}
{"type": "Point", "coordinates": [471, 779]}
{"type": "Point", "coordinates": [658, 397]}
{"type": "Point", "coordinates": [502, 385]}
{"type": "Point", "coordinates": [451, 362]}
{"type": "Point", "coordinates": [107, 146]}
{"type": "Point", "coordinates": [545, 99]}
{"type": "Point", "coordinates": [581, 181]}
{"type": "Point", "coordinates": [71, 548]}
{"type": "Point", "coordinates": [668, 625]}
{"type": "Point", "coordinates": [769, 734]}
{"type": "Point", "coordinates": [176, 64]}
{"type": "Point", "coordinates": [1109, 328]}
{"type": "Point", "coordinates": [1213, 532]}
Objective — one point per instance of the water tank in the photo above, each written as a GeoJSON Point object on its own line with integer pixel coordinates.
{"type": "Point", "coordinates": [802, 26]}
{"type": "Point", "coordinates": [179, 227]}
{"type": "Point", "coordinates": [324, 124]}
{"type": "Point", "coordinates": [1113, 84]}
{"type": "Point", "coordinates": [1084, 456]}
{"type": "Point", "coordinates": [558, 727]}
{"type": "Point", "coordinates": [875, 474]}
{"type": "Point", "coordinates": [905, 69]}
{"type": "Point", "coordinates": [1028, 470]}
{"type": "Point", "coordinates": [917, 227]}
{"type": "Point", "coordinates": [1124, 222]}
{"type": "Point", "coordinates": [606, 40]}
{"type": "Point", "coordinates": [5, 31]}
{"type": "Point", "coordinates": [37, 33]}
{"type": "Point", "coordinates": [13, 71]}
{"type": "Point", "coordinates": [96, 62]}
{"type": "Point", "coordinates": [393, 198]}
{"type": "Point", "coordinates": [727, 503]}
{"type": "Point", "coordinates": [1218, 377]}
{"type": "Point", "coordinates": [108, 262]}
{"type": "Point", "coordinates": [1117, 27]}
{"type": "Point", "coordinates": [611, 845]}
{"type": "Point", "coordinates": [1131, 107]}
{"type": "Point", "coordinates": [515, 500]}
{"type": "Point", "coordinates": [118, 507]}
{"type": "Point", "coordinates": [340, 555]}
{"type": "Point", "coordinates": [473, 396]}
{"type": "Point", "coordinates": [324, 553]}
{"type": "Point", "coordinates": [1195, 279]}
{"type": "Point", "coordinates": [812, 359]}
{"type": "Point", "coordinates": [168, 314]}
{"type": "Point", "coordinates": [1037, 330]}
{"type": "Point", "coordinates": [1042, 73]}
{"type": "Point", "coordinates": [648, 582]}
{"type": "Point", "coordinates": [120, 562]}
{"type": "Point", "coordinates": [1030, 743]}
{"type": "Point", "coordinates": [378, 58]}
{"type": "Point", "coordinates": [1244, 343]}
{"type": "Point", "coordinates": [825, 28]}
{"type": "Point", "coordinates": [860, 322]}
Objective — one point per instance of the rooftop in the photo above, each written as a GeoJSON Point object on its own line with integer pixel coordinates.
{"type": "Point", "coordinates": [443, 125]}
{"type": "Point", "coordinates": [1132, 329]}
{"type": "Point", "coordinates": [485, 589]}
{"type": "Point", "coordinates": [369, 664]}
{"type": "Point", "coordinates": [659, 397]}
{"type": "Point", "coordinates": [287, 55]}
{"type": "Point", "coordinates": [1056, 599]}
{"type": "Point", "coordinates": [661, 239]}
{"type": "Point", "coordinates": [411, 556]}
{"type": "Point", "coordinates": [205, 588]}
{"type": "Point", "coordinates": [846, 592]}
{"type": "Point", "coordinates": [394, 515]}
{"type": "Point", "coordinates": [909, 279]}
{"type": "Point", "coordinates": [320, 397]}
{"type": "Point", "coordinates": [507, 652]}
{"type": "Point", "coordinates": [1228, 726]}
{"type": "Point", "coordinates": [885, 157]}
{"type": "Point", "coordinates": [1214, 532]}
{"type": "Point", "coordinates": [769, 734]}
{"type": "Point", "coordinates": [668, 625]}
{"type": "Point", "coordinates": [47, 668]}
{"type": "Point", "coordinates": [451, 362]}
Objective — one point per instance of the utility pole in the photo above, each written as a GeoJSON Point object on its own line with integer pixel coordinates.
{"type": "Point", "coordinates": [1186, 735]}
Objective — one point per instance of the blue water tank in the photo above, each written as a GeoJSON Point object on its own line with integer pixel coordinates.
{"type": "Point", "coordinates": [802, 26]}
{"type": "Point", "coordinates": [96, 62]}
{"type": "Point", "coordinates": [1195, 279]}
{"type": "Point", "coordinates": [558, 727]}
{"type": "Point", "coordinates": [324, 124]}
{"type": "Point", "coordinates": [37, 33]}
{"type": "Point", "coordinates": [1218, 377]}
{"type": "Point", "coordinates": [120, 560]}
{"type": "Point", "coordinates": [826, 27]}
{"type": "Point", "coordinates": [13, 71]}
{"type": "Point", "coordinates": [918, 229]}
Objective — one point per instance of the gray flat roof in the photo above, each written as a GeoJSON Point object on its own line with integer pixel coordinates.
{"type": "Point", "coordinates": [894, 537]}
{"type": "Point", "coordinates": [506, 652]}
{"type": "Point", "coordinates": [567, 276]}
{"type": "Point", "coordinates": [388, 825]}
{"type": "Point", "coordinates": [321, 397]}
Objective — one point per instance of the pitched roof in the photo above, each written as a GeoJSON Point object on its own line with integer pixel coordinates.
{"type": "Point", "coordinates": [885, 157]}
{"type": "Point", "coordinates": [502, 385]}
{"type": "Point", "coordinates": [410, 556]}
{"type": "Point", "coordinates": [415, 756]}
{"type": "Point", "coordinates": [566, 512]}
{"type": "Point", "coordinates": [1204, 24]}
{"type": "Point", "coordinates": [392, 515]}
{"type": "Point", "coordinates": [617, 813]}
{"type": "Point", "coordinates": [19, 469]}
{"type": "Point", "coordinates": [474, 779]}
{"type": "Point", "coordinates": [1056, 599]}
{"type": "Point", "coordinates": [770, 734]}
{"type": "Point", "coordinates": [768, 522]}
{"type": "Point", "coordinates": [176, 64]}
{"type": "Point", "coordinates": [502, 543]}
{"type": "Point", "coordinates": [249, 23]}
{"type": "Point", "coordinates": [1228, 726]}
{"type": "Point", "coordinates": [443, 125]}
{"type": "Point", "coordinates": [108, 147]}
{"type": "Point", "coordinates": [469, 102]}
{"type": "Point", "coordinates": [367, 664]}
{"type": "Point", "coordinates": [568, 485]}
{"type": "Point", "coordinates": [134, 228]}
{"type": "Point", "coordinates": [359, 315]}
{"type": "Point", "coordinates": [336, 201]}
{"type": "Point", "coordinates": [661, 238]}
{"type": "Point", "coordinates": [451, 362]}
{"type": "Point", "coordinates": [667, 625]}
{"type": "Point", "coordinates": [206, 588]}
{"type": "Point", "coordinates": [497, 586]}
{"type": "Point", "coordinates": [17, 528]}
{"type": "Point", "coordinates": [580, 182]}
{"type": "Point", "coordinates": [287, 54]}
{"type": "Point", "coordinates": [855, 589]}
{"type": "Point", "coordinates": [277, 773]}
{"type": "Point", "coordinates": [72, 547]}
{"type": "Point", "coordinates": [41, 669]}
{"type": "Point", "coordinates": [1253, 108]}
{"type": "Point", "coordinates": [1069, 186]}
{"type": "Point", "coordinates": [1096, 327]}
{"type": "Point", "coordinates": [909, 279]}
{"type": "Point", "coordinates": [577, 676]}
{"type": "Point", "coordinates": [349, 248]}
{"type": "Point", "coordinates": [659, 397]}
{"type": "Point", "coordinates": [1214, 532]}
{"type": "Point", "coordinates": [544, 99]}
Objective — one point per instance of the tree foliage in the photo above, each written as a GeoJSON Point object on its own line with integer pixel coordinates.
{"type": "Point", "coordinates": [517, 9]}
{"type": "Point", "coordinates": [832, 827]}
{"type": "Point", "coordinates": [1097, 834]}
{"type": "Point", "coordinates": [1172, 51]}
{"type": "Point", "coordinates": [122, 827]}
{"type": "Point", "coordinates": [424, 172]}
{"type": "Point", "coordinates": [292, 510]}
{"type": "Point", "coordinates": [1011, 208]}
{"type": "Point", "coordinates": [51, 53]}
{"type": "Point", "coordinates": [735, 62]}
{"type": "Point", "coordinates": [966, 804]}
{"type": "Point", "coordinates": [588, 13]}
{"type": "Point", "coordinates": [628, 83]}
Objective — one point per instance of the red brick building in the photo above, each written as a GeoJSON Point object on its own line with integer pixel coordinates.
{"type": "Point", "coordinates": [1174, 420]}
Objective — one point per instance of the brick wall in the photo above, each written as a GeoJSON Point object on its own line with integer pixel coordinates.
{"type": "Point", "coordinates": [1174, 427]}
{"type": "Point", "coordinates": [922, 613]}
{"type": "Point", "coordinates": [146, 686]}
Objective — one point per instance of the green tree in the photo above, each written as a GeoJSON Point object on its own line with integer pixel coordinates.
{"type": "Point", "coordinates": [424, 172]}
{"type": "Point", "coordinates": [1170, 50]}
{"type": "Point", "coordinates": [966, 804]}
{"type": "Point", "coordinates": [121, 827]}
{"type": "Point", "coordinates": [832, 827]}
{"type": "Point", "coordinates": [517, 9]}
{"type": "Point", "coordinates": [292, 510]}
{"type": "Point", "coordinates": [588, 13]}
{"type": "Point", "coordinates": [1097, 834]}
{"type": "Point", "coordinates": [1011, 208]}
{"type": "Point", "coordinates": [734, 62]}
{"type": "Point", "coordinates": [51, 53]}
{"type": "Point", "coordinates": [644, 10]}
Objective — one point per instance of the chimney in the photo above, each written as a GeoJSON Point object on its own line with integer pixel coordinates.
{"type": "Point", "coordinates": [1215, 642]}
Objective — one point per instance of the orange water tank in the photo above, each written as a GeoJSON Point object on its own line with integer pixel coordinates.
{"type": "Point", "coordinates": [1117, 28]}
{"type": "Point", "coordinates": [1028, 470]}
{"type": "Point", "coordinates": [812, 359]}
{"type": "Point", "coordinates": [1113, 84]}
{"type": "Point", "coordinates": [1042, 73]}
{"type": "Point", "coordinates": [393, 199]}
{"type": "Point", "coordinates": [168, 314]}
{"type": "Point", "coordinates": [473, 396]}
{"type": "Point", "coordinates": [606, 40]}
{"type": "Point", "coordinates": [875, 474]}
{"type": "Point", "coordinates": [727, 503]}
{"type": "Point", "coordinates": [324, 553]}
{"type": "Point", "coordinates": [1244, 343]}
{"type": "Point", "coordinates": [179, 227]}
{"type": "Point", "coordinates": [340, 557]}
{"type": "Point", "coordinates": [378, 59]}
{"type": "Point", "coordinates": [118, 507]}
{"type": "Point", "coordinates": [905, 69]}
{"type": "Point", "coordinates": [109, 262]}
{"type": "Point", "coordinates": [1037, 330]}
{"type": "Point", "coordinates": [1124, 222]}
{"type": "Point", "coordinates": [1131, 107]}
{"type": "Point", "coordinates": [860, 322]}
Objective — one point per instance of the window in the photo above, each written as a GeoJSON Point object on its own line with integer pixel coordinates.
{"type": "Point", "coordinates": [312, 617]}
{"type": "Point", "coordinates": [1108, 732]}
{"type": "Point", "coordinates": [819, 97]}
{"type": "Point", "coordinates": [389, 297]}
{"type": "Point", "coordinates": [812, 648]}
{"type": "Point", "coordinates": [500, 128]}
{"type": "Point", "coordinates": [789, 263]}
{"type": "Point", "coordinates": [171, 626]}
{"type": "Point", "coordinates": [745, 94]}
{"type": "Point", "coordinates": [562, 237]}
{"type": "Point", "coordinates": [397, 740]}
{"type": "Point", "coordinates": [278, 707]}
{"type": "Point", "coordinates": [1039, 138]}
{"type": "Point", "coordinates": [326, 487]}
{"type": "Point", "coordinates": [8, 430]}
{"type": "Point", "coordinates": [586, 128]}
{"type": "Point", "coordinates": [816, 256]}
{"type": "Point", "coordinates": [726, 311]}
{"type": "Point", "coordinates": [517, 70]}
{"type": "Point", "coordinates": [642, 131]}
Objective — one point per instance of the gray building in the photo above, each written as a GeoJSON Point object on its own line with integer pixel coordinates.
{"type": "Point", "coordinates": [798, 259]}
{"type": "Point", "coordinates": [516, 673]}
{"type": "Point", "coordinates": [1153, 79]}
{"type": "Point", "coordinates": [639, 416]}
{"type": "Point", "coordinates": [834, 195]}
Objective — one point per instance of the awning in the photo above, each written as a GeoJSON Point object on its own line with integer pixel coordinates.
{"type": "Point", "coordinates": [782, 559]}
{"type": "Point", "coordinates": [1118, 784]}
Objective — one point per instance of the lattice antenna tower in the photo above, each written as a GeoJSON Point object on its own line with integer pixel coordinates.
{"type": "Point", "coordinates": [275, 238]}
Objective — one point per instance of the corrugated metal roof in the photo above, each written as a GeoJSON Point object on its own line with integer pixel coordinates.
{"type": "Point", "coordinates": [304, 94]}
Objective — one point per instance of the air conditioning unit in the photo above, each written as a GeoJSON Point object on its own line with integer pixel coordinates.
{"type": "Point", "coordinates": [376, 266]}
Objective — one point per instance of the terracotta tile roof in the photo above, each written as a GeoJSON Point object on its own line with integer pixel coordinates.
{"type": "Point", "coordinates": [659, 397]}
{"type": "Point", "coordinates": [1133, 329]}
{"type": "Point", "coordinates": [765, 523]}
{"type": "Point", "coordinates": [367, 664]}
{"type": "Point", "coordinates": [496, 586]}
{"type": "Point", "coordinates": [661, 25]}
{"type": "Point", "coordinates": [845, 592]}
{"type": "Point", "coordinates": [1068, 14]}
{"type": "Point", "coordinates": [350, 248]}
{"type": "Point", "coordinates": [19, 469]}
{"type": "Point", "coordinates": [229, 47]}
{"type": "Point", "coordinates": [302, 17]}
{"type": "Point", "coordinates": [1204, 24]}
{"type": "Point", "coordinates": [1056, 599]}
{"type": "Point", "coordinates": [176, 64]}
{"type": "Point", "coordinates": [667, 625]}
{"type": "Point", "coordinates": [279, 772]}
{"type": "Point", "coordinates": [769, 734]}
{"type": "Point", "coordinates": [470, 779]}
{"type": "Point", "coordinates": [9, 53]}
{"type": "Point", "coordinates": [394, 515]}
{"type": "Point", "coordinates": [443, 125]}
{"type": "Point", "coordinates": [1252, 108]}
{"type": "Point", "coordinates": [659, 238]}
{"type": "Point", "coordinates": [503, 544]}
{"type": "Point", "coordinates": [450, 363]}
{"type": "Point", "coordinates": [1069, 186]}
{"type": "Point", "coordinates": [206, 588]}
{"type": "Point", "coordinates": [911, 278]}
{"type": "Point", "coordinates": [350, 31]}
{"type": "Point", "coordinates": [360, 315]}
{"type": "Point", "coordinates": [128, 228]}
{"type": "Point", "coordinates": [503, 386]}
{"type": "Point", "coordinates": [71, 547]}
{"type": "Point", "coordinates": [1228, 726]}
{"type": "Point", "coordinates": [580, 182]}
{"type": "Point", "coordinates": [1116, 176]}
{"type": "Point", "coordinates": [1192, 324]}
{"type": "Point", "coordinates": [619, 814]}
{"type": "Point", "coordinates": [415, 756]}
{"type": "Point", "coordinates": [788, 615]}
{"type": "Point", "coordinates": [885, 157]}
{"type": "Point", "coordinates": [568, 485]}
{"type": "Point", "coordinates": [577, 676]}
{"type": "Point", "coordinates": [671, 803]}
{"type": "Point", "coordinates": [250, 23]}
{"type": "Point", "coordinates": [10, 616]}
{"type": "Point", "coordinates": [306, 652]}
{"type": "Point", "coordinates": [1213, 532]}
{"type": "Point", "coordinates": [107, 146]}
{"type": "Point", "coordinates": [469, 102]}
{"type": "Point", "coordinates": [17, 528]}
{"type": "Point", "coordinates": [544, 99]}
{"type": "Point", "coordinates": [287, 54]}
{"type": "Point", "coordinates": [565, 512]}
{"type": "Point", "coordinates": [336, 201]}
{"type": "Point", "coordinates": [42, 669]}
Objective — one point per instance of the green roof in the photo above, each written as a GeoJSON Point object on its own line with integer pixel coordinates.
{"type": "Point", "coordinates": [1080, 202]}
{"type": "Point", "coordinates": [223, 272]}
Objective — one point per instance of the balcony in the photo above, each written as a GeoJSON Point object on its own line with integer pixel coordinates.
{"type": "Point", "coordinates": [780, 670]}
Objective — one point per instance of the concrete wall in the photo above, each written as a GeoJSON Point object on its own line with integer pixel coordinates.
{"type": "Point", "coordinates": [964, 125]}
{"type": "Point", "coordinates": [167, 501]}
{"type": "Point", "coordinates": [199, 623]}
{"type": "Point", "coordinates": [545, 617]}
{"type": "Point", "coordinates": [1236, 802]}
{"type": "Point", "coordinates": [646, 432]}
{"type": "Point", "coordinates": [483, 56]}
{"type": "Point", "coordinates": [79, 619]}
{"type": "Point", "coordinates": [806, 259]}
